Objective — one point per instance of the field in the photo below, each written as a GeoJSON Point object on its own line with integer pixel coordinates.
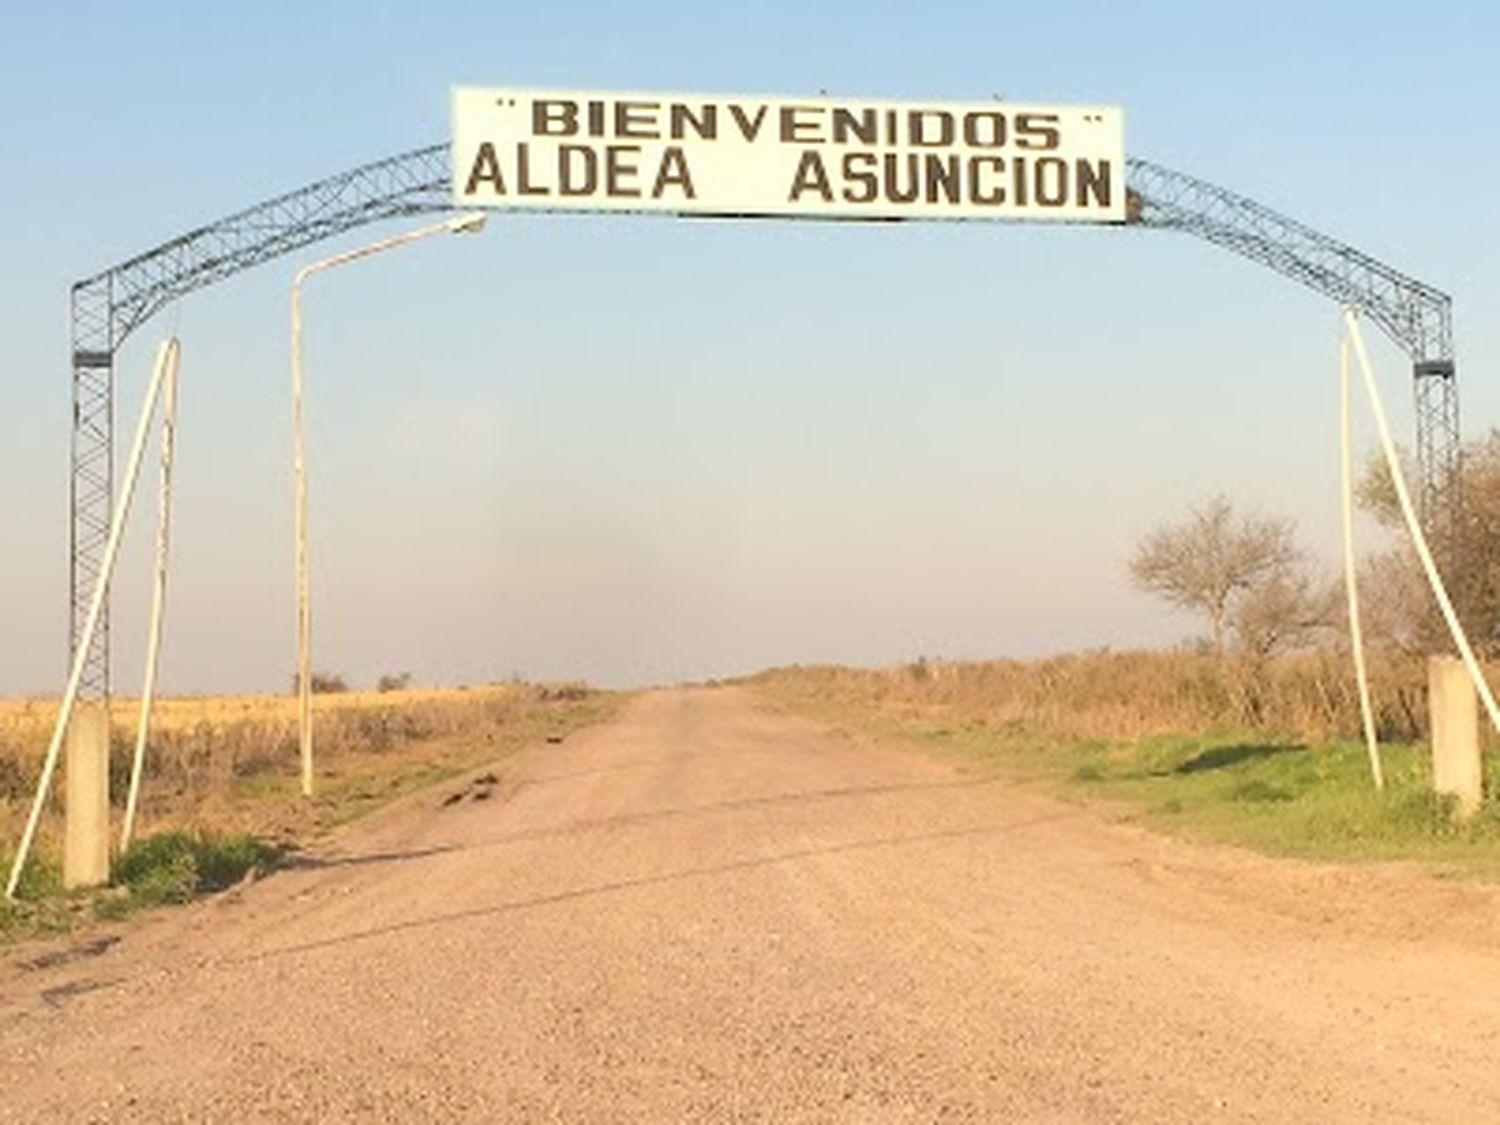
{"type": "Point", "coordinates": [1179, 741]}
{"type": "Point", "coordinates": [227, 768]}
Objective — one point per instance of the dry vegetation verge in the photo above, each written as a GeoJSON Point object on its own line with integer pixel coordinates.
{"type": "Point", "coordinates": [1267, 756]}
{"type": "Point", "coordinates": [221, 796]}
{"type": "Point", "coordinates": [1309, 696]}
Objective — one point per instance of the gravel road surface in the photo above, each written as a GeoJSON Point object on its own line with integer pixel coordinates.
{"type": "Point", "coordinates": [708, 910]}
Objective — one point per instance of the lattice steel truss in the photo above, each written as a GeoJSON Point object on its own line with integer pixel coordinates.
{"type": "Point", "coordinates": [109, 306]}
{"type": "Point", "coordinates": [1416, 316]}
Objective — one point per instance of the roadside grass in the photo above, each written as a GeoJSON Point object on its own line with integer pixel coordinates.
{"type": "Point", "coordinates": [1285, 797]}
{"type": "Point", "coordinates": [165, 869]}
{"type": "Point", "coordinates": [1278, 795]}
{"type": "Point", "coordinates": [222, 797]}
{"type": "Point", "coordinates": [176, 867]}
{"type": "Point", "coordinates": [41, 906]}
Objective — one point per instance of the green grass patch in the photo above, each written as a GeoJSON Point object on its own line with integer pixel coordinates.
{"type": "Point", "coordinates": [1282, 797]}
{"type": "Point", "coordinates": [1275, 795]}
{"type": "Point", "coordinates": [40, 879]}
{"type": "Point", "coordinates": [41, 906]}
{"type": "Point", "coordinates": [176, 867]}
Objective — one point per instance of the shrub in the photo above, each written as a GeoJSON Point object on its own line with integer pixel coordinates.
{"type": "Point", "coordinates": [323, 683]}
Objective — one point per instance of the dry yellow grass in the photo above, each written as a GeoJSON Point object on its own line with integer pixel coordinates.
{"type": "Point", "coordinates": [26, 720]}
{"type": "Point", "coordinates": [230, 763]}
{"type": "Point", "coordinates": [1308, 696]}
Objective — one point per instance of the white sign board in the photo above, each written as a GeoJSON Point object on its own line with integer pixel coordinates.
{"type": "Point", "coordinates": [844, 158]}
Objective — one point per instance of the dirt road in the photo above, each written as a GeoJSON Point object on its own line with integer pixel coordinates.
{"type": "Point", "coordinates": [709, 911]}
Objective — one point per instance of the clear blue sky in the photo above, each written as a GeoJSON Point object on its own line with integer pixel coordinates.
{"type": "Point", "coordinates": [635, 449]}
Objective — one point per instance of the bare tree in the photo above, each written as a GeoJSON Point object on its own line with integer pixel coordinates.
{"type": "Point", "coordinates": [1238, 570]}
{"type": "Point", "coordinates": [1287, 610]}
{"type": "Point", "coordinates": [1405, 610]}
{"type": "Point", "coordinates": [1396, 604]}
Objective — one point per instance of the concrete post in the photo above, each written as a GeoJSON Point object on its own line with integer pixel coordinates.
{"type": "Point", "coordinates": [1454, 715]}
{"type": "Point", "coordinates": [86, 839]}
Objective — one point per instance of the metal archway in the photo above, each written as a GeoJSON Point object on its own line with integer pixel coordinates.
{"type": "Point", "coordinates": [109, 306]}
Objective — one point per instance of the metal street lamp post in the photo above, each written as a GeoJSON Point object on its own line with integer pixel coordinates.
{"type": "Point", "coordinates": [461, 224]}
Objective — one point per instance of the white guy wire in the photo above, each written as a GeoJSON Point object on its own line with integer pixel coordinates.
{"type": "Point", "coordinates": [158, 605]}
{"type": "Point", "coordinates": [1351, 581]}
{"type": "Point", "coordinates": [1415, 528]}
